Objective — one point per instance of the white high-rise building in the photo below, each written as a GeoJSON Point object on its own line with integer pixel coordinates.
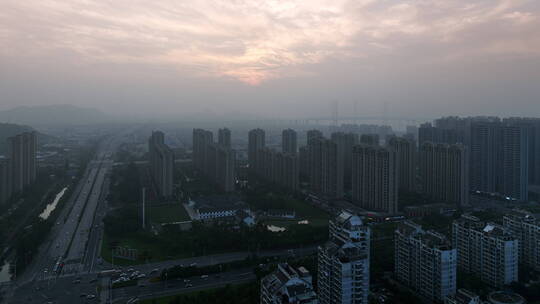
{"type": "Point", "coordinates": [343, 275]}
{"type": "Point", "coordinates": [526, 228]}
{"type": "Point", "coordinates": [425, 261]}
{"type": "Point", "coordinates": [486, 250]}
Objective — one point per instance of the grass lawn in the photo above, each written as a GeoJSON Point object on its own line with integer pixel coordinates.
{"type": "Point", "coordinates": [286, 223]}
{"type": "Point", "coordinates": [167, 213]}
{"type": "Point", "coordinates": [306, 210]}
{"type": "Point", "coordinates": [140, 242]}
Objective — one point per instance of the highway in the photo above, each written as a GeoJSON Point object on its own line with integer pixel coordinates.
{"type": "Point", "coordinates": [73, 237]}
{"type": "Point", "coordinates": [148, 290]}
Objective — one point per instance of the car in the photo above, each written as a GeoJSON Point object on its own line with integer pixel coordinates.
{"type": "Point", "coordinates": [83, 295]}
{"type": "Point", "coordinates": [76, 281]}
{"type": "Point", "coordinates": [204, 276]}
{"type": "Point", "coordinates": [193, 265]}
{"type": "Point", "coordinates": [154, 270]}
{"type": "Point", "coordinates": [189, 285]}
{"type": "Point", "coordinates": [186, 281]}
{"type": "Point", "coordinates": [141, 276]}
{"type": "Point", "coordinates": [90, 297]}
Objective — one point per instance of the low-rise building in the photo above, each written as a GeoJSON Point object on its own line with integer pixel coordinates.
{"type": "Point", "coordinates": [463, 296]}
{"type": "Point", "coordinates": [288, 285]}
{"type": "Point", "coordinates": [218, 207]}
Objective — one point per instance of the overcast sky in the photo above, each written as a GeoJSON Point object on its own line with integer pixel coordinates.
{"type": "Point", "coordinates": [421, 58]}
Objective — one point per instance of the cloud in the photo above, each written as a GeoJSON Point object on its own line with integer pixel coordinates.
{"type": "Point", "coordinates": [255, 41]}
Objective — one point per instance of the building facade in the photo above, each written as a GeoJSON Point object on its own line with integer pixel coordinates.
{"type": "Point", "coordinates": [486, 250]}
{"type": "Point", "coordinates": [406, 155]}
{"type": "Point", "coordinates": [256, 141]}
{"type": "Point", "coordinates": [524, 226]}
{"type": "Point", "coordinates": [22, 150]}
{"type": "Point", "coordinates": [161, 164]}
{"type": "Point", "coordinates": [425, 261]}
{"type": "Point", "coordinates": [325, 168]}
{"type": "Point", "coordinates": [289, 141]}
{"type": "Point", "coordinates": [343, 262]}
{"type": "Point", "coordinates": [280, 168]}
{"type": "Point", "coordinates": [224, 137]}
{"type": "Point", "coordinates": [202, 139]}
{"type": "Point", "coordinates": [375, 178]}
{"type": "Point", "coordinates": [444, 172]}
{"type": "Point", "coordinates": [500, 159]}
{"type": "Point", "coordinates": [6, 188]}
{"type": "Point", "coordinates": [345, 143]}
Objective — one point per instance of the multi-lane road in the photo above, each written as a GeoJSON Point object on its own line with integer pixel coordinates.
{"type": "Point", "coordinates": [72, 246]}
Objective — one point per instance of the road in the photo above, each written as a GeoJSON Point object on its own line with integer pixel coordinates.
{"type": "Point", "coordinates": [176, 286]}
{"type": "Point", "coordinates": [73, 241]}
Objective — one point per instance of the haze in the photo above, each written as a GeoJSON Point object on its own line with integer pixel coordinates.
{"type": "Point", "coordinates": [273, 58]}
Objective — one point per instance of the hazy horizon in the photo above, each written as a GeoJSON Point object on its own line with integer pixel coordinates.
{"type": "Point", "coordinates": [289, 59]}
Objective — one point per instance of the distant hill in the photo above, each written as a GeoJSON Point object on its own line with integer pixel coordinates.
{"type": "Point", "coordinates": [8, 130]}
{"type": "Point", "coordinates": [53, 115]}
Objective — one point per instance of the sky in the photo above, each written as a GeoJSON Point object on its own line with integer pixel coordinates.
{"type": "Point", "coordinates": [290, 59]}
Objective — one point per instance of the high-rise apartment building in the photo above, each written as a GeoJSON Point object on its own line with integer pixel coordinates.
{"type": "Point", "coordinates": [256, 141]}
{"type": "Point", "coordinates": [225, 160]}
{"type": "Point", "coordinates": [375, 178]}
{"type": "Point", "coordinates": [406, 155]}
{"type": "Point", "coordinates": [216, 161]}
{"type": "Point", "coordinates": [288, 170]}
{"type": "Point", "coordinates": [22, 150]}
{"type": "Point", "coordinates": [524, 226]}
{"type": "Point", "coordinates": [161, 164]}
{"type": "Point", "coordinates": [444, 172]}
{"type": "Point", "coordinates": [279, 168]}
{"type": "Point", "coordinates": [313, 134]}
{"type": "Point", "coordinates": [224, 137]}
{"type": "Point", "coordinates": [343, 262]}
{"type": "Point", "coordinates": [325, 168]}
{"type": "Point", "coordinates": [5, 180]}
{"type": "Point", "coordinates": [288, 141]}
{"type": "Point", "coordinates": [500, 159]}
{"type": "Point", "coordinates": [202, 139]}
{"type": "Point", "coordinates": [443, 133]}
{"type": "Point", "coordinates": [345, 143]}
{"type": "Point", "coordinates": [288, 285]}
{"type": "Point", "coordinates": [303, 159]}
{"type": "Point", "coordinates": [425, 262]}
{"type": "Point", "coordinates": [486, 250]}
{"type": "Point", "coordinates": [370, 139]}
{"type": "Point", "coordinates": [532, 125]}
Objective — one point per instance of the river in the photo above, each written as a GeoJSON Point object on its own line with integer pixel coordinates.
{"type": "Point", "coordinates": [5, 276]}
{"type": "Point", "coordinates": [50, 207]}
